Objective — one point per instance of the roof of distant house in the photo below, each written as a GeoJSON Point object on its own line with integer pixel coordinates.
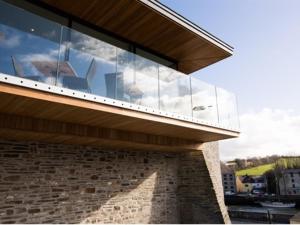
{"type": "Point", "coordinates": [225, 169]}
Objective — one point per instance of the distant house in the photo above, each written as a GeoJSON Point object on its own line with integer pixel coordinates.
{"type": "Point", "coordinates": [228, 179]}
{"type": "Point", "coordinates": [250, 183]}
{"type": "Point", "coordinates": [231, 164]}
{"type": "Point", "coordinates": [289, 183]}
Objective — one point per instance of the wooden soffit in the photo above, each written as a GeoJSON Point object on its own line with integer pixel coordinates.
{"type": "Point", "coordinates": [151, 25]}
{"type": "Point", "coordinates": [80, 121]}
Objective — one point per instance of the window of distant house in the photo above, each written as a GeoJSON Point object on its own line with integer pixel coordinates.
{"type": "Point", "coordinates": [230, 175]}
{"type": "Point", "coordinates": [225, 187]}
{"type": "Point", "coordinates": [225, 178]}
{"type": "Point", "coordinates": [246, 185]}
{"type": "Point", "coordinates": [292, 175]}
{"type": "Point", "coordinates": [232, 187]}
{"type": "Point", "coordinates": [231, 178]}
{"type": "Point", "coordinates": [293, 180]}
{"type": "Point", "coordinates": [225, 182]}
{"type": "Point", "coordinates": [294, 192]}
{"type": "Point", "coordinates": [294, 186]}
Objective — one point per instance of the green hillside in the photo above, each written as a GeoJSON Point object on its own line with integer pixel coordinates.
{"type": "Point", "coordinates": [255, 171]}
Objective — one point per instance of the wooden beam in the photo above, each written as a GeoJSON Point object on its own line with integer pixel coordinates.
{"type": "Point", "coordinates": [33, 129]}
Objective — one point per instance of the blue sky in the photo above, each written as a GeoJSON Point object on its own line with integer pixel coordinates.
{"type": "Point", "coordinates": [264, 71]}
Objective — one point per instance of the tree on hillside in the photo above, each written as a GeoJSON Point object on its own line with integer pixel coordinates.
{"type": "Point", "coordinates": [240, 163]}
{"type": "Point", "coordinates": [279, 167]}
{"type": "Point", "coordinates": [271, 181]}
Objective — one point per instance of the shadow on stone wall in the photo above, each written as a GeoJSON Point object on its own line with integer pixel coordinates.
{"type": "Point", "coordinates": [47, 183]}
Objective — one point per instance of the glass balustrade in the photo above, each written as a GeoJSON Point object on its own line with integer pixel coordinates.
{"type": "Point", "coordinates": [40, 50]}
{"type": "Point", "coordinates": [204, 101]}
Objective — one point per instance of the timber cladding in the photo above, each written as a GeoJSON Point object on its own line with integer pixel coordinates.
{"type": "Point", "coordinates": [27, 102]}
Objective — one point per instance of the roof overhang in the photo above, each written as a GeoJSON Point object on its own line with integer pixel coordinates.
{"type": "Point", "coordinates": [149, 24]}
{"type": "Point", "coordinates": [37, 115]}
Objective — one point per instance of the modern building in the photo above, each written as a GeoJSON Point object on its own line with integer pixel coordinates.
{"type": "Point", "coordinates": [289, 183]}
{"type": "Point", "coordinates": [100, 119]}
{"type": "Point", "coordinates": [229, 179]}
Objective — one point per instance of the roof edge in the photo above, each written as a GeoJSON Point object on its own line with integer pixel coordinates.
{"type": "Point", "coordinates": [169, 13]}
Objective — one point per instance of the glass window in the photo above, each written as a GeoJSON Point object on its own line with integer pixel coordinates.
{"type": "Point", "coordinates": [29, 45]}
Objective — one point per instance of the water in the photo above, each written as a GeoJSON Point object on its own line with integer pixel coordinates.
{"type": "Point", "coordinates": [287, 211]}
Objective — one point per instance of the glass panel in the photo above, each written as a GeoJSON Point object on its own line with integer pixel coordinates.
{"type": "Point", "coordinates": [124, 78]}
{"type": "Point", "coordinates": [29, 45]}
{"type": "Point", "coordinates": [175, 92]}
{"type": "Point", "coordinates": [228, 115]}
{"type": "Point", "coordinates": [100, 36]}
{"type": "Point", "coordinates": [85, 63]}
{"type": "Point", "coordinates": [137, 79]}
{"type": "Point", "coordinates": [34, 48]}
{"type": "Point", "coordinates": [204, 101]}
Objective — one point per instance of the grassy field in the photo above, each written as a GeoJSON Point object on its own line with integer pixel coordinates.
{"type": "Point", "coordinates": [255, 171]}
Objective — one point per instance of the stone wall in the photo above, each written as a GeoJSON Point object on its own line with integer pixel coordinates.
{"type": "Point", "coordinates": [200, 187]}
{"type": "Point", "coordinates": [48, 183]}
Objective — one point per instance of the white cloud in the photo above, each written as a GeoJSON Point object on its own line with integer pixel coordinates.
{"type": "Point", "coordinates": [264, 133]}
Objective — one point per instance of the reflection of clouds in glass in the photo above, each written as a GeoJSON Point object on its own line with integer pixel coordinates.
{"type": "Point", "coordinates": [204, 101]}
{"type": "Point", "coordinates": [26, 60]}
{"type": "Point", "coordinates": [89, 45]}
{"type": "Point", "coordinates": [51, 34]}
{"type": "Point", "coordinates": [9, 42]}
{"type": "Point", "coordinates": [227, 108]}
{"type": "Point", "coordinates": [167, 74]}
{"type": "Point", "coordinates": [87, 56]}
{"type": "Point", "coordinates": [176, 104]}
{"type": "Point", "coordinates": [50, 55]}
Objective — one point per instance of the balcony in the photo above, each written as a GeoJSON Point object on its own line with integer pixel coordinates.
{"type": "Point", "coordinates": [43, 63]}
